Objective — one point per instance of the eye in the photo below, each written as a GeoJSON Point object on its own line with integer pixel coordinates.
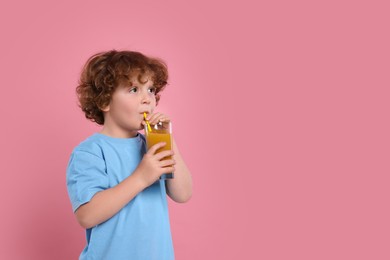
{"type": "Point", "coordinates": [131, 90]}
{"type": "Point", "coordinates": [153, 90]}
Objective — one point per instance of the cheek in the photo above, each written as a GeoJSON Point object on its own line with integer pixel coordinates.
{"type": "Point", "coordinates": [126, 109]}
{"type": "Point", "coordinates": [130, 111]}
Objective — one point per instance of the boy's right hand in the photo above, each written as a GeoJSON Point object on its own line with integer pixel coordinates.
{"type": "Point", "coordinates": [153, 164]}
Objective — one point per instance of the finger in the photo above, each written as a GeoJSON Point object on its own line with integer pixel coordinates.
{"type": "Point", "coordinates": [168, 169]}
{"type": "Point", "coordinates": [160, 118]}
{"type": "Point", "coordinates": [155, 147]}
{"type": "Point", "coordinates": [152, 120]}
{"type": "Point", "coordinates": [164, 119]}
{"type": "Point", "coordinates": [163, 154]}
{"type": "Point", "coordinates": [165, 163]}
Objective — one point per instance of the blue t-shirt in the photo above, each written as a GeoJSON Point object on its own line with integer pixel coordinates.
{"type": "Point", "coordinates": [141, 229]}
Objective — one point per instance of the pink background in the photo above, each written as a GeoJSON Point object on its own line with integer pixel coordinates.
{"type": "Point", "coordinates": [280, 108]}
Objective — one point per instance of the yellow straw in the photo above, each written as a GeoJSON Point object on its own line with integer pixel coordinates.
{"type": "Point", "coordinates": [147, 122]}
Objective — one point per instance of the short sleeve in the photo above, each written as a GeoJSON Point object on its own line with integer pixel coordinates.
{"type": "Point", "coordinates": [85, 176]}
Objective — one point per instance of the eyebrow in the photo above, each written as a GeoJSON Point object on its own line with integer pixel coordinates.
{"type": "Point", "coordinates": [137, 85]}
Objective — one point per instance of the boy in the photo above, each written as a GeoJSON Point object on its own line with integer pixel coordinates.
{"type": "Point", "coordinates": [113, 182]}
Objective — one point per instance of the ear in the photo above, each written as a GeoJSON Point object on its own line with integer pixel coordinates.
{"type": "Point", "coordinates": [105, 109]}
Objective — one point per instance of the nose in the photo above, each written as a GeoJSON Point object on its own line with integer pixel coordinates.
{"type": "Point", "coordinates": [145, 98]}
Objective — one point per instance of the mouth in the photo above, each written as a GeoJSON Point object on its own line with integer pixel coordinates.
{"type": "Point", "coordinates": [142, 114]}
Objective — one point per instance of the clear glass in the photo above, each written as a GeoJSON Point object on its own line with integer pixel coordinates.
{"type": "Point", "coordinates": [161, 132]}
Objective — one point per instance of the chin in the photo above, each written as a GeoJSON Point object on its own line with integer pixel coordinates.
{"type": "Point", "coordinates": [133, 128]}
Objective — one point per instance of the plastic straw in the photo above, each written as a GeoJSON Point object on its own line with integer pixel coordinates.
{"type": "Point", "coordinates": [147, 122]}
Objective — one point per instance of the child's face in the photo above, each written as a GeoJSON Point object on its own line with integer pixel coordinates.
{"type": "Point", "coordinates": [125, 111]}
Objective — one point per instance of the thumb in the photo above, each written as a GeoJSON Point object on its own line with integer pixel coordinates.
{"type": "Point", "coordinates": [155, 147]}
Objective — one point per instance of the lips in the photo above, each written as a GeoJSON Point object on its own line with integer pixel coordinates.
{"type": "Point", "coordinates": [142, 114]}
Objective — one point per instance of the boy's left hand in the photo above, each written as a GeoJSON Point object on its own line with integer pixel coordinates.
{"type": "Point", "coordinates": [155, 118]}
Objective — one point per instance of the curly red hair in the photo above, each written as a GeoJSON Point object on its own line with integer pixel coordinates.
{"type": "Point", "coordinates": [104, 71]}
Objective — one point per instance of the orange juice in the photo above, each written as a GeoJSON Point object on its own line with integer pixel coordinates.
{"type": "Point", "coordinates": [157, 136]}
{"type": "Point", "coordinates": [161, 132]}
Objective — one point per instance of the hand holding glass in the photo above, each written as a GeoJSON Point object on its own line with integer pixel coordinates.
{"type": "Point", "coordinates": [161, 132]}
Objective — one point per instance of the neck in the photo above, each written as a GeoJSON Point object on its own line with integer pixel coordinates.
{"type": "Point", "coordinates": [118, 132]}
{"type": "Point", "coordinates": [118, 135]}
